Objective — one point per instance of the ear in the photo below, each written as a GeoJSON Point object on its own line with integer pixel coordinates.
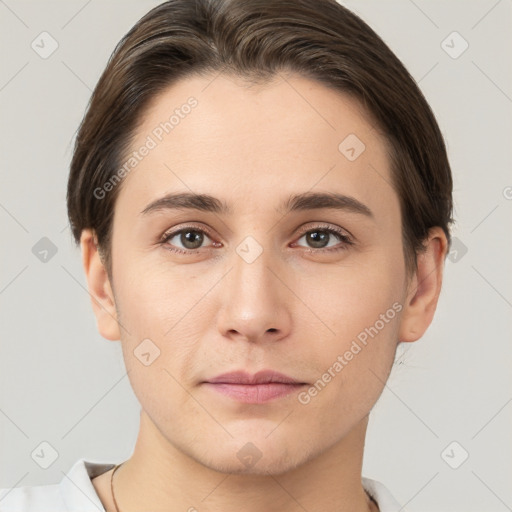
{"type": "Point", "coordinates": [424, 287]}
{"type": "Point", "coordinates": [100, 290]}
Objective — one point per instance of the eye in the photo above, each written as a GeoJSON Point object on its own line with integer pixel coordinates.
{"type": "Point", "coordinates": [191, 239]}
{"type": "Point", "coordinates": [319, 238]}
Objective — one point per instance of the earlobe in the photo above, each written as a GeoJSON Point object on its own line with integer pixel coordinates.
{"type": "Point", "coordinates": [100, 290]}
{"type": "Point", "coordinates": [424, 288]}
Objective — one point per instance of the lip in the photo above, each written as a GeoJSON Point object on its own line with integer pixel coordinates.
{"type": "Point", "coordinates": [262, 377]}
{"type": "Point", "coordinates": [259, 388]}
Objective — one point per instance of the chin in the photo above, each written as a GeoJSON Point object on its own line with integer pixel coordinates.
{"type": "Point", "coordinates": [263, 467]}
{"type": "Point", "coordinates": [257, 457]}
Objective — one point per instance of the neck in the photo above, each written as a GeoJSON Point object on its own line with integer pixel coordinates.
{"type": "Point", "coordinates": [329, 482]}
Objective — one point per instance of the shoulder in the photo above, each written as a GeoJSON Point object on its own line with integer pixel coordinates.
{"type": "Point", "coordinates": [74, 493]}
{"type": "Point", "coordinates": [382, 495]}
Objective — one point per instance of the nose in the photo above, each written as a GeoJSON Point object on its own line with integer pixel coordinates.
{"type": "Point", "coordinates": [255, 302]}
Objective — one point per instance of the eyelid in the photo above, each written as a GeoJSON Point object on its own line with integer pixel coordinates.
{"type": "Point", "coordinates": [170, 233]}
{"type": "Point", "coordinates": [328, 227]}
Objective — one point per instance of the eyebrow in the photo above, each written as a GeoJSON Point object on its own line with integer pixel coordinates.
{"type": "Point", "coordinates": [296, 202]}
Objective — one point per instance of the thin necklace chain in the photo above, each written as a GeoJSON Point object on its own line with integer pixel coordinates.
{"type": "Point", "coordinates": [119, 465]}
{"type": "Point", "coordinates": [112, 485]}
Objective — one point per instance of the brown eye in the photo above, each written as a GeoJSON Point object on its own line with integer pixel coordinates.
{"type": "Point", "coordinates": [186, 239]}
{"type": "Point", "coordinates": [191, 239]}
{"type": "Point", "coordinates": [320, 238]}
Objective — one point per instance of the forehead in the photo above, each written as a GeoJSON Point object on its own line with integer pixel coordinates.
{"type": "Point", "coordinates": [225, 136]}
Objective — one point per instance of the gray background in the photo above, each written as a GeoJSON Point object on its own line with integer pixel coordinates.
{"type": "Point", "coordinates": [61, 383]}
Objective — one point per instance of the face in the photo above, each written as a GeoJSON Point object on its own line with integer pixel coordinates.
{"type": "Point", "coordinates": [303, 288]}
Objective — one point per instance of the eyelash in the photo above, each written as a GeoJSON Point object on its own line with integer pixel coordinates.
{"type": "Point", "coordinates": [346, 241]}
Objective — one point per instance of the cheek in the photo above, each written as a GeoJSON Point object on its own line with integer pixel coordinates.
{"type": "Point", "coordinates": [159, 351]}
{"type": "Point", "coordinates": [161, 309]}
{"type": "Point", "coordinates": [351, 298]}
{"type": "Point", "coordinates": [360, 314]}
{"type": "Point", "coordinates": [157, 298]}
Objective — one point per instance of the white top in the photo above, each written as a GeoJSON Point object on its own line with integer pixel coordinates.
{"type": "Point", "coordinates": [75, 493]}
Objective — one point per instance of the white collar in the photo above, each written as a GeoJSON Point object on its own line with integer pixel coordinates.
{"type": "Point", "coordinates": [79, 493]}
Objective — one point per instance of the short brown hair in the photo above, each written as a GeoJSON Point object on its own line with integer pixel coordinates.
{"type": "Point", "coordinates": [254, 40]}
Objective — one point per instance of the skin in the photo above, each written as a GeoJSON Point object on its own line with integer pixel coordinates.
{"type": "Point", "coordinates": [294, 309]}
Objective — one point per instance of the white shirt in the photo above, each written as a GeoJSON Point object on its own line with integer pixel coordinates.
{"type": "Point", "coordinates": [75, 493]}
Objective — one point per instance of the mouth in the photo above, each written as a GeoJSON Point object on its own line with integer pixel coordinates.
{"type": "Point", "coordinates": [262, 387]}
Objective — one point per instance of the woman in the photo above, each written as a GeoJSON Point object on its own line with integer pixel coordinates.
{"type": "Point", "coordinates": [263, 198]}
